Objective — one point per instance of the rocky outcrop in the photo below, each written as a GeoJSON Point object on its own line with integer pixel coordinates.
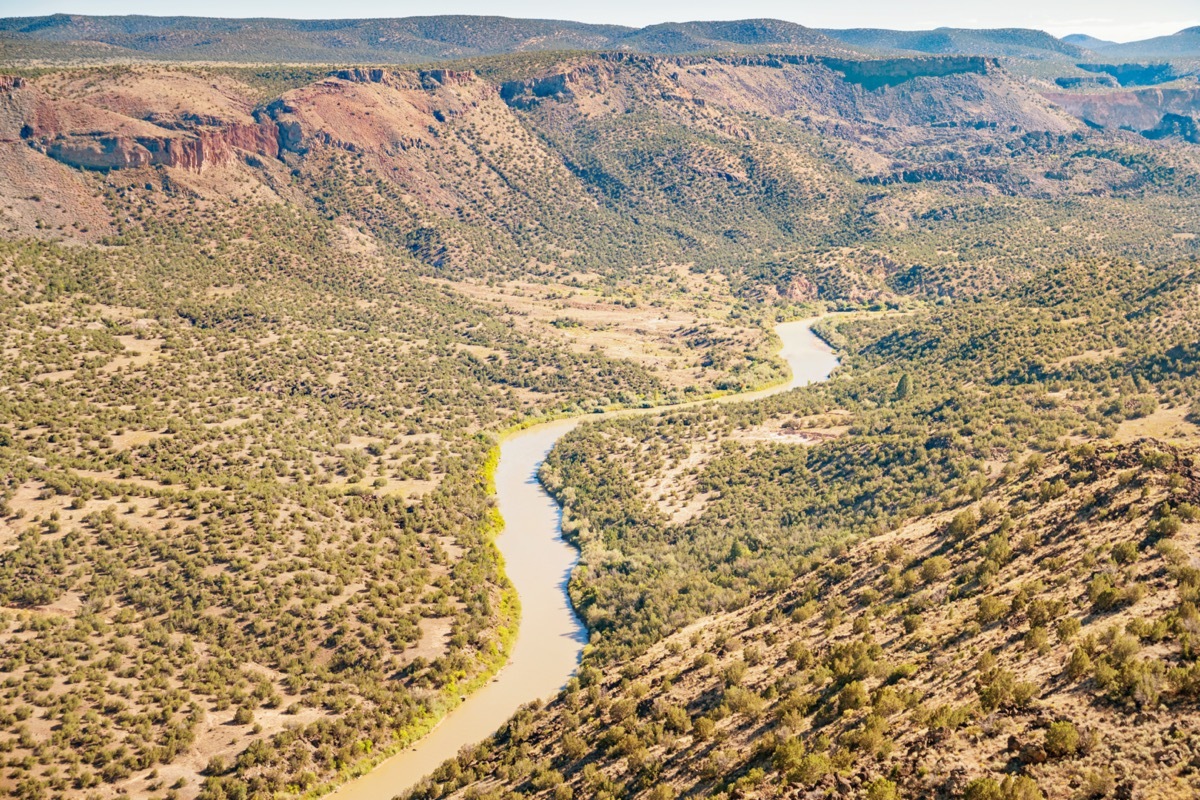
{"type": "Point", "coordinates": [196, 150]}
{"type": "Point", "coordinates": [935, 173]}
{"type": "Point", "coordinates": [446, 77]}
{"type": "Point", "coordinates": [528, 93]}
{"type": "Point", "coordinates": [800, 289]}
{"type": "Point", "coordinates": [879, 73]}
{"type": "Point", "coordinates": [524, 94]}
{"type": "Point", "coordinates": [1136, 74]}
{"type": "Point", "coordinates": [423, 79]}
{"type": "Point", "coordinates": [90, 138]}
{"type": "Point", "coordinates": [1175, 126]}
{"type": "Point", "coordinates": [1138, 110]}
{"type": "Point", "coordinates": [1085, 82]}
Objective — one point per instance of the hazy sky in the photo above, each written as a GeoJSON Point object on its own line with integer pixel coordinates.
{"type": "Point", "coordinates": [1121, 20]}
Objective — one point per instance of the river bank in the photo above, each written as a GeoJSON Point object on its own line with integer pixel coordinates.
{"type": "Point", "coordinates": [538, 562]}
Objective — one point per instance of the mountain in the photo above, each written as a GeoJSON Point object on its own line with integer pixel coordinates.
{"type": "Point", "coordinates": [1184, 44]}
{"type": "Point", "coordinates": [404, 39]}
{"type": "Point", "coordinates": [1008, 42]}
{"type": "Point", "coordinates": [388, 40]}
{"type": "Point", "coordinates": [415, 39]}
{"type": "Point", "coordinates": [1087, 42]}
{"type": "Point", "coordinates": [755, 34]}
{"type": "Point", "coordinates": [447, 37]}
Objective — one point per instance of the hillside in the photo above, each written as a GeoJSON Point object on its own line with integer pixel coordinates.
{"type": "Point", "coordinates": [1036, 642]}
{"type": "Point", "coordinates": [962, 568]}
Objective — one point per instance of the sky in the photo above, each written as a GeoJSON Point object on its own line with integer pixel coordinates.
{"type": "Point", "coordinates": [1118, 20]}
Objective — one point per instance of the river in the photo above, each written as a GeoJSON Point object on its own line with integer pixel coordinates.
{"type": "Point", "coordinates": [539, 563]}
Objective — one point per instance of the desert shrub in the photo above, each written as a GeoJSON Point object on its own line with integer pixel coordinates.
{"type": "Point", "coordinates": [1078, 665]}
{"type": "Point", "coordinates": [1020, 787]}
{"type": "Point", "coordinates": [1067, 628]}
{"type": "Point", "coordinates": [983, 789]}
{"type": "Point", "coordinates": [934, 568]}
{"type": "Point", "coordinates": [852, 696]}
{"type": "Point", "coordinates": [1124, 552]}
{"type": "Point", "coordinates": [963, 525]}
{"type": "Point", "coordinates": [811, 768]}
{"type": "Point", "coordinates": [788, 753]}
{"type": "Point", "coordinates": [990, 609]}
{"type": "Point", "coordinates": [1062, 739]}
{"type": "Point", "coordinates": [881, 789]}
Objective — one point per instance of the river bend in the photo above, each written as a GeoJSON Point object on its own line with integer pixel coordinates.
{"type": "Point", "coordinates": [538, 562]}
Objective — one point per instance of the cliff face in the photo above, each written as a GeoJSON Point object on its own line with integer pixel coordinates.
{"type": "Point", "coordinates": [1140, 110]}
{"type": "Point", "coordinates": [192, 150]}
{"type": "Point", "coordinates": [89, 137]}
{"type": "Point", "coordinates": [894, 71]}
{"type": "Point", "coordinates": [382, 111]}
{"type": "Point", "coordinates": [598, 137]}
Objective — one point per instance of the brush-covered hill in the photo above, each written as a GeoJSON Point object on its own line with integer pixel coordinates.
{"type": "Point", "coordinates": [1036, 642]}
{"type": "Point", "coordinates": [391, 40]}
{"type": "Point", "coordinates": [746, 35]}
{"type": "Point", "coordinates": [431, 38]}
{"type": "Point", "coordinates": [398, 40]}
{"type": "Point", "coordinates": [1008, 42]}
{"type": "Point", "coordinates": [1087, 42]}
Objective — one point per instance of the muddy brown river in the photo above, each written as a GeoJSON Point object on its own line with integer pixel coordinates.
{"type": "Point", "coordinates": [539, 563]}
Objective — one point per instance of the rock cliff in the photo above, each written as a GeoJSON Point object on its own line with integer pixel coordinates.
{"type": "Point", "coordinates": [94, 138]}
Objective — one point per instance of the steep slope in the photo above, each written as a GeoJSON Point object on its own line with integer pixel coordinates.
{"type": "Point", "coordinates": [468, 172]}
{"type": "Point", "coordinates": [1038, 642]}
{"type": "Point", "coordinates": [721, 162]}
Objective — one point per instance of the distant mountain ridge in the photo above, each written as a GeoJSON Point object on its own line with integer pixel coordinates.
{"type": "Point", "coordinates": [1184, 44]}
{"type": "Point", "coordinates": [434, 38]}
{"type": "Point", "coordinates": [399, 40]}
{"type": "Point", "coordinates": [1011, 42]}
